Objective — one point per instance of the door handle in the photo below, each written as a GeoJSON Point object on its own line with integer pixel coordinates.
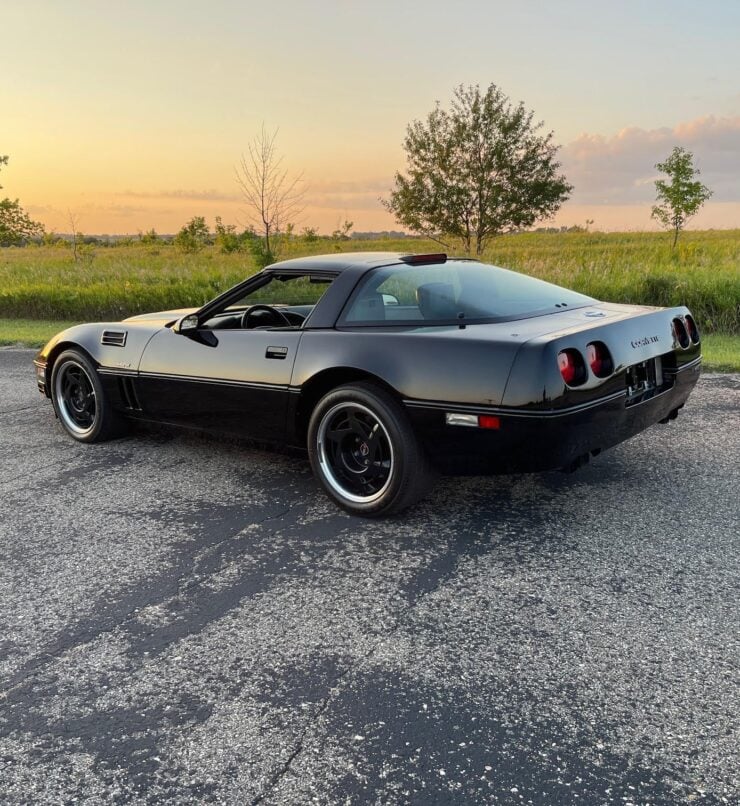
{"type": "Point", "coordinates": [276, 352]}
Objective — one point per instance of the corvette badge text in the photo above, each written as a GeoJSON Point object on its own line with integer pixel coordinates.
{"type": "Point", "coordinates": [645, 341]}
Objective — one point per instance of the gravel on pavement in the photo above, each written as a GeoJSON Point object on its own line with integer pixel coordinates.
{"type": "Point", "coordinates": [184, 619]}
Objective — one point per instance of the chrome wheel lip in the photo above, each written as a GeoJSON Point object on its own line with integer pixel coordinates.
{"type": "Point", "coordinates": [325, 461]}
{"type": "Point", "coordinates": [65, 407]}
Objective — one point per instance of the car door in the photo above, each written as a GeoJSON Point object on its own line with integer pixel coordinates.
{"type": "Point", "coordinates": [232, 381]}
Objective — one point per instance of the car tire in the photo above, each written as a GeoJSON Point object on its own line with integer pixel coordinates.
{"type": "Point", "coordinates": [364, 452]}
{"type": "Point", "coordinates": [80, 402]}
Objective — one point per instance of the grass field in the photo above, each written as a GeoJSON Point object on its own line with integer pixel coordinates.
{"type": "Point", "coordinates": [704, 273]}
{"type": "Point", "coordinates": [42, 287]}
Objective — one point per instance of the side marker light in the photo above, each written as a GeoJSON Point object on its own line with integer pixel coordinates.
{"type": "Point", "coordinates": [488, 421]}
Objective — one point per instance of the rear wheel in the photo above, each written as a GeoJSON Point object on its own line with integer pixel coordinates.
{"type": "Point", "coordinates": [365, 453]}
{"type": "Point", "coordinates": [80, 401]}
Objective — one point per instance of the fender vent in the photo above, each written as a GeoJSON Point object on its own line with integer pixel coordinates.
{"type": "Point", "coordinates": [113, 338]}
{"type": "Point", "coordinates": [128, 394]}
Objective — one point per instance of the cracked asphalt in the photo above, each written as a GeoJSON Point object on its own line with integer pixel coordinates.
{"type": "Point", "coordinates": [185, 620]}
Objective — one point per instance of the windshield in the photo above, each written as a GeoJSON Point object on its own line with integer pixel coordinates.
{"type": "Point", "coordinates": [453, 291]}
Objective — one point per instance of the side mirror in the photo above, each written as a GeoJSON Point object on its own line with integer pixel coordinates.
{"type": "Point", "coordinates": [188, 325]}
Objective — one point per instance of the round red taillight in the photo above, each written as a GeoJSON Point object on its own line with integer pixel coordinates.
{"type": "Point", "coordinates": [692, 328]}
{"type": "Point", "coordinates": [599, 359]}
{"type": "Point", "coordinates": [570, 364]}
{"type": "Point", "coordinates": [680, 332]}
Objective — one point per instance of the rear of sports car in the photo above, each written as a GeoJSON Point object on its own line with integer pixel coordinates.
{"type": "Point", "coordinates": [597, 377]}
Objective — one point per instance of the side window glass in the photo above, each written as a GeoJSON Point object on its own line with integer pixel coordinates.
{"type": "Point", "coordinates": [292, 291]}
{"type": "Point", "coordinates": [285, 302]}
{"type": "Point", "coordinates": [369, 306]}
{"type": "Point", "coordinates": [406, 295]}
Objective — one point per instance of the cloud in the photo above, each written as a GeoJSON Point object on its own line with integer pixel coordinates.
{"type": "Point", "coordinates": [360, 195]}
{"type": "Point", "coordinates": [119, 210]}
{"type": "Point", "coordinates": [376, 185]}
{"type": "Point", "coordinates": [186, 195]}
{"type": "Point", "coordinates": [621, 169]}
{"type": "Point", "coordinates": [40, 209]}
{"type": "Point", "coordinates": [345, 201]}
{"type": "Point", "coordinates": [331, 194]}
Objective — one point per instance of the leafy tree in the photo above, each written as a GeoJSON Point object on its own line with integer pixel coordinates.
{"type": "Point", "coordinates": [149, 237]}
{"type": "Point", "coordinates": [477, 170]}
{"type": "Point", "coordinates": [341, 233]}
{"type": "Point", "coordinates": [227, 239]}
{"type": "Point", "coordinates": [194, 235]}
{"type": "Point", "coordinates": [682, 196]}
{"type": "Point", "coordinates": [273, 198]}
{"type": "Point", "coordinates": [310, 234]}
{"type": "Point", "coordinates": [261, 252]}
{"type": "Point", "coordinates": [16, 227]}
{"type": "Point", "coordinates": [247, 235]}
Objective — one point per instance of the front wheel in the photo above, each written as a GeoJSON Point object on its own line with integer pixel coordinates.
{"type": "Point", "coordinates": [80, 401]}
{"type": "Point", "coordinates": [365, 453]}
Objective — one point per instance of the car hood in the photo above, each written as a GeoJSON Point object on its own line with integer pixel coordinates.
{"type": "Point", "coordinates": [139, 329]}
{"type": "Point", "coordinates": [161, 316]}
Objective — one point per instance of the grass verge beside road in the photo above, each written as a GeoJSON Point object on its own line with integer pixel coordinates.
{"type": "Point", "coordinates": [29, 332]}
{"type": "Point", "coordinates": [721, 351]}
{"type": "Point", "coordinates": [44, 282]}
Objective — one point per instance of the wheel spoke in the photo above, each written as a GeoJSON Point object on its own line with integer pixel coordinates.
{"type": "Point", "coordinates": [373, 443]}
{"type": "Point", "coordinates": [378, 467]}
{"type": "Point", "coordinates": [67, 383]}
{"type": "Point", "coordinates": [373, 471]}
{"type": "Point", "coordinates": [338, 434]}
{"type": "Point", "coordinates": [360, 428]}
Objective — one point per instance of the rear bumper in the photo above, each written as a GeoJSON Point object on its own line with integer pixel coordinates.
{"type": "Point", "coordinates": [529, 441]}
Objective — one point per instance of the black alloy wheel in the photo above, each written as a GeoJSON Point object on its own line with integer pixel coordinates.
{"type": "Point", "coordinates": [79, 399]}
{"type": "Point", "coordinates": [364, 451]}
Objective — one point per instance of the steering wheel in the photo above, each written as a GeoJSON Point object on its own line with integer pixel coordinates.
{"type": "Point", "coordinates": [276, 313]}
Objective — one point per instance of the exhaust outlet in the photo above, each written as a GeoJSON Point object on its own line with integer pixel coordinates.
{"type": "Point", "coordinates": [579, 461]}
{"type": "Point", "coordinates": [670, 416]}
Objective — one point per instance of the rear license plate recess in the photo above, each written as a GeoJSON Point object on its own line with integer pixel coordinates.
{"type": "Point", "coordinates": [643, 380]}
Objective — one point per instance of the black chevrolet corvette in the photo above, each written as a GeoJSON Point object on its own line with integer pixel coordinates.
{"type": "Point", "coordinates": [387, 367]}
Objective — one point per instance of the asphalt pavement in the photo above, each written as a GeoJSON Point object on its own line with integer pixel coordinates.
{"type": "Point", "coordinates": [185, 620]}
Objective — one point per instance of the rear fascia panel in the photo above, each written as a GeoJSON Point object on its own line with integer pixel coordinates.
{"type": "Point", "coordinates": [638, 334]}
{"type": "Point", "coordinates": [539, 442]}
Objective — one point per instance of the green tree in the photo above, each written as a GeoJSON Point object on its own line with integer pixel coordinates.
{"type": "Point", "coordinates": [194, 235]}
{"type": "Point", "coordinates": [16, 227]}
{"type": "Point", "coordinates": [477, 170]}
{"type": "Point", "coordinates": [682, 196]}
{"type": "Point", "coordinates": [341, 233]}
{"type": "Point", "coordinates": [227, 239]}
{"type": "Point", "coordinates": [149, 237]}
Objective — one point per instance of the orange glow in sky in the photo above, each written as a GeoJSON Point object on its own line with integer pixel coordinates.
{"type": "Point", "coordinates": [134, 115]}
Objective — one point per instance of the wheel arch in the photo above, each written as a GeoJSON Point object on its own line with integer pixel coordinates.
{"type": "Point", "coordinates": [324, 381]}
{"type": "Point", "coordinates": [56, 351]}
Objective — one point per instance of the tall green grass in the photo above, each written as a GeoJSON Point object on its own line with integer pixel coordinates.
{"type": "Point", "coordinates": [641, 268]}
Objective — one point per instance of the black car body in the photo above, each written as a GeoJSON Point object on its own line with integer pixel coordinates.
{"type": "Point", "coordinates": [422, 362]}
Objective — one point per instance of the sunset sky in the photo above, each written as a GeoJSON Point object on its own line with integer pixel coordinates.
{"type": "Point", "coordinates": [134, 114]}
